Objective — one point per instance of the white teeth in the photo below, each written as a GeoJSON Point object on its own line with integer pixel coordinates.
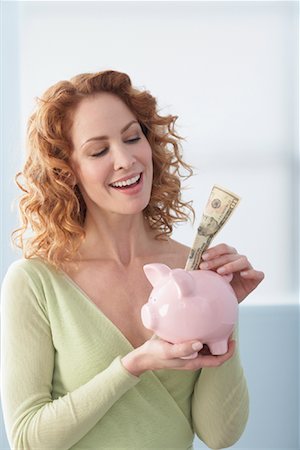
{"type": "Point", "coordinates": [127, 182]}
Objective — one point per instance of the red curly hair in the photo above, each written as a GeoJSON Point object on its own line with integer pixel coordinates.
{"type": "Point", "coordinates": [51, 206]}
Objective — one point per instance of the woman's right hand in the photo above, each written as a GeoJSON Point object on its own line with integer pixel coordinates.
{"type": "Point", "coordinates": [157, 354]}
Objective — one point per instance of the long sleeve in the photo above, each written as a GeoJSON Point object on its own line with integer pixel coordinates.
{"type": "Point", "coordinates": [33, 419]}
{"type": "Point", "coordinates": [220, 403]}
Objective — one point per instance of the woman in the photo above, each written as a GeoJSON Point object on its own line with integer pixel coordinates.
{"type": "Point", "coordinates": [79, 370]}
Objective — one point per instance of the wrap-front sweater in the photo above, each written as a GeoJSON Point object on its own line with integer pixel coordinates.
{"type": "Point", "coordinates": [63, 385]}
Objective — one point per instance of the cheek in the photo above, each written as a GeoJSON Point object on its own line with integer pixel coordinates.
{"type": "Point", "coordinates": [148, 152]}
{"type": "Point", "coordinates": [91, 173]}
{"type": "Point", "coordinates": [147, 155]}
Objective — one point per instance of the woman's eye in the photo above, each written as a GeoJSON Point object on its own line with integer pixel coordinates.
{"type": "Point", "coordinates": [96, 155]}
{"type": "Point", "coordinates": [105, 150]}
{"type": "Point", "coordinates": [134, 139]}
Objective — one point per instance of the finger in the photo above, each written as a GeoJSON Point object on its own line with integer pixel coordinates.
{"type": "Point", "coordinates": [252, 274]}
{"type": "Point", "coordinates": [219, 261]}
{"type": "Point", "coordinates": [217, 250]}
{"type": "Point", "coordinates": [217, 360]}
{"type": "Point", "coordinates": [211, 360]}
{"type": "Point", "coordinates": [240, 264]}
{"type": "Point", "coordinates": [186, 350]}
{"type": "Point", "coordinates": [192, 356]}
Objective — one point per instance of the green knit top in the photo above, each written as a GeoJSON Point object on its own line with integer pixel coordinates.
{"type": "Point", "coordinates": [63, 385]}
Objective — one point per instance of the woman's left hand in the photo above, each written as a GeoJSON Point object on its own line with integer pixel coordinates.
{"type": "Point", "coordinates": [225, 260]}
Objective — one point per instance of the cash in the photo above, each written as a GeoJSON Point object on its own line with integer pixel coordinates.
{"type": "Point", "coordinates": [220, 205]}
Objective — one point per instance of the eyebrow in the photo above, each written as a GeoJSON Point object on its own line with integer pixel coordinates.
{"type": "Point", "coordinates": [100, 138]}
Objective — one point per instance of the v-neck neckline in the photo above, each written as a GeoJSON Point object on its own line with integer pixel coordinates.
{"type": "Point", "coordinates": [88, 299]}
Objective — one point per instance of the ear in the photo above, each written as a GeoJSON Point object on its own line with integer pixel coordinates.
{"type": "Point", "coordinates": [156, 272]}
{"type": "Point", "coordinates": [184, 282]}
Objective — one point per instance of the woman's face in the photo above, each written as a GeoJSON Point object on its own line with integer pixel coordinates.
{"type": "Point", "coordinates": [111, 157]}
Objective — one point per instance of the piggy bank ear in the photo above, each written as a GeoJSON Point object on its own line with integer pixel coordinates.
{"type": "Point", "coordinates": [156, 272]}
{"type": "Point", "coordinates": [184, 282]}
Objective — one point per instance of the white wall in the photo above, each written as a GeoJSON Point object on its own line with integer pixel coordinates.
{"type": "Point", "coordinates": [229, 70]}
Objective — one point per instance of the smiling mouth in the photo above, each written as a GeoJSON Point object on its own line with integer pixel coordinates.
{"type": "Point", "coordinates": [127, 186]}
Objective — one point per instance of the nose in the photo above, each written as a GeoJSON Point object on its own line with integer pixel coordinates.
{"type": "Point", "coordinates": [123, 158]}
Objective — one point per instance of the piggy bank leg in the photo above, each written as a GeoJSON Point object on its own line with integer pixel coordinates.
{"type": "Point", "coordinates": [218, 348]}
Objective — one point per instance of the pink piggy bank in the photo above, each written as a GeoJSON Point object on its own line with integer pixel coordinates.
{"type": "Point", "coordinates": [187, 305]}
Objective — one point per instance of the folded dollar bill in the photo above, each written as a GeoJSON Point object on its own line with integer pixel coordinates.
{"type": "Point", "coordinates": [219, 208]}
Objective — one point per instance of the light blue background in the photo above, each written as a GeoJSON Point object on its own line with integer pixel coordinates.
{"type": "Point", "coordinates": [230, 71]}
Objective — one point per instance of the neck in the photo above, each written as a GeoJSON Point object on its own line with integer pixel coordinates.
{"type": "Point", "coordinates": [118, 238]}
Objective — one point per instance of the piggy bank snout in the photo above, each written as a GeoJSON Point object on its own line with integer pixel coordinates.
{"type": "Point", "coordinates": [148, 318]}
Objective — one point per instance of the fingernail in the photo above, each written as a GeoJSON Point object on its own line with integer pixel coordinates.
{"type": "Point", "coordinates": [244, 273]}
{"type": "Point", "coordinates": [205, 256]}
{"type": "Point", "coordinates": [197, 346]}
{"type": "Point", "coordinates": [221, 270]}
{"type": "Point", "coordinates": [204, 265]}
